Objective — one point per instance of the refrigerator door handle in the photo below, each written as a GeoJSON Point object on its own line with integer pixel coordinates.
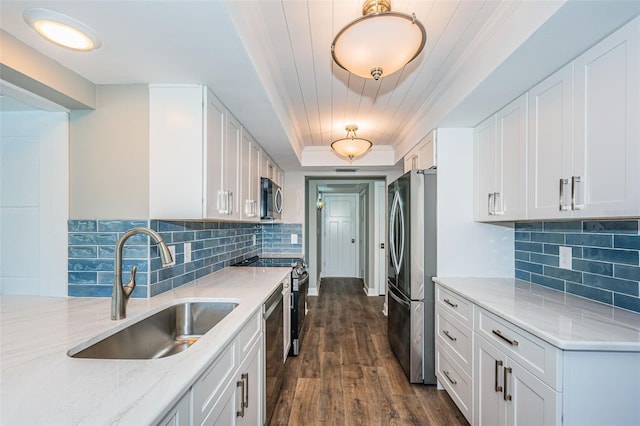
{"type": "Point", "coordinates": [402, 231]}
{"type": "Point", "coordinates": [392, 236]}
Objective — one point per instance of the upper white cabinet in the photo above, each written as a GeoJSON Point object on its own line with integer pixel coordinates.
{"type": "Point", "coordinates": [250, 154]}
{"type": "Point", "coordinates": [500, 145]}
{"type": "Point", "coordinates": [177, 173]}
{"type": "Point", "coordinates": [571, 149]}
{"type": "Point", "coordinates": [606, 154]}
{"type": "Point", "coordinates": [203, 164]}
{"type": "Point", "coordinates": [550, 140]}
{"type": "Point", "coordinates": [423, 155]}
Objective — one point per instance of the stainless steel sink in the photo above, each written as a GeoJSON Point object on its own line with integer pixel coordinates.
{"type": "Point", "coordinates": [165, 333]}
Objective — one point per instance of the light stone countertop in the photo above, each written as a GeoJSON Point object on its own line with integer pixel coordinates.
{"type": "Point", "coordinates": [563, 320]}
{"type": "Point", "coordinates": [40, 384]}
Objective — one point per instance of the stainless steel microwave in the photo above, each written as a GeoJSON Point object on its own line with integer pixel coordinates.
{"type": "Point", "coordinates": [270, 200]}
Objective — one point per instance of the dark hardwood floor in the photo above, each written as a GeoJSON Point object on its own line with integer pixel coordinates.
{"type": "Point", "coordinates": [346, 373]}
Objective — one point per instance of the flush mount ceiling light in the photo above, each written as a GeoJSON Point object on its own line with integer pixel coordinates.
{"type": "Point", "coordinates": [62, 29]}
{"type": "Point", "coordinates": [380, 42]}
{"type": "Point", "coordinates": [351, 146]}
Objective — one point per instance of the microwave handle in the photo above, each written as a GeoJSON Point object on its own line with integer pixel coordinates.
{"type": "Point", "coordinates": [277, 200]}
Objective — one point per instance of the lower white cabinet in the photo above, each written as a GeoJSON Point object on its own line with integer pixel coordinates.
{"type": "Point", "coordinates": [499, 374]}
{"type": "Point", "coordinates": [231, 389]}
{"type": "Point", "coordinates": [507, 394]}
{"type": "Point", "coordinates": [180, 414]}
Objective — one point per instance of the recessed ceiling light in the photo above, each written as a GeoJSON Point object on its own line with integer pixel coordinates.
{"type": "Point", "coordinates": [62, 29]}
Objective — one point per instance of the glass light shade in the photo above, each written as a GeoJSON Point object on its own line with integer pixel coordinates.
{"type": "Point", "coordinates": [384, 41]}
{"type": "Point", "coordinates": [61, 29]}
{"type": "Point", "coordinates": [351, 146]}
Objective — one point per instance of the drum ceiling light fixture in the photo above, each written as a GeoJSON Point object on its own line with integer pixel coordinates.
{"type": "Point", "coordinates": [351, 146]}
{"type": "Point", "coordinates": [380, 42]}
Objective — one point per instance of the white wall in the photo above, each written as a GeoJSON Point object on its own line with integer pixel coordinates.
{"type": "Point", "coordinates": [465, 247]}
{"type": "Point", "coordinates": [109, 151]}
{"type": "Point", "coordinates": [33, 203]}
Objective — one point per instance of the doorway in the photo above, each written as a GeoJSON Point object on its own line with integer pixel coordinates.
{"type": "Point", "coordinates": [341, 236]}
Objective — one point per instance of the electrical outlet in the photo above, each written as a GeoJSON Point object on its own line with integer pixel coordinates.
{"type": "Point", "coordinates": [172, 250]}
{"type": "Point", "coordinates": [565, 257]}
{"type": "Point", "coordinates": [294, 238]}
{"type": "Point", "coordinates": [253, 239]}
{"type": "Point", "coordinates": [187, 252]}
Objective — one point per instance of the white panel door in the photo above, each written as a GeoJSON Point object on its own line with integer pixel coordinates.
{"type": "Point", "coordinates": [530, 402]}
{"type": "Point", "coordinates": [488, 382]}
{"type": "Point", "coordinates": [486, 165]}
{"type": "Point", "coordinates": [231, 161]}
{"type": "Point", "coordinates": [607, 127]}
{"type": "Point", "coordinates": [215, 123]}
{"type": "Point", "coordinates": [340, 257]}
{"type": "Point", "coordinates": [380, 260]}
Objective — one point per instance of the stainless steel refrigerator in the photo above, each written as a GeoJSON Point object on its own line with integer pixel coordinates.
{"type": "Point", "coordinates": [411, 267]}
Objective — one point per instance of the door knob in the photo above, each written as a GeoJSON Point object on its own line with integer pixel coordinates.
{"type": "Point", "coordinates": [353, 240]}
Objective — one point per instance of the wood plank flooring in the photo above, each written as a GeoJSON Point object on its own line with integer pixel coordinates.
{"type": "Point", "coordinates": [346, 373]}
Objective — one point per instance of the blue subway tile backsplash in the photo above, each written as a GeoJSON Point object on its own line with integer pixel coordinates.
{"type": "Point", "coordinates": [605, 259]}
{"type": "Point", "coordinates": [214, 245]}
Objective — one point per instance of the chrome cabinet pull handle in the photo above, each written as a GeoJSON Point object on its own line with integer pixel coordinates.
{"type": "Point", "coordinates": [491, 204]}
{"type": "Point", "coordinates": [575, 180]}
{"type": "Point", "coordinates": [240, 384]}
{"type": "Point", "coordinates": [450, 303]}
{"type": "Point", "coordinates": [563, 183]}
{"type": "Point", "coordinates": [446, 374]}
{"type": "Point", "coordinates": [507, 370]}
{"type": "Point", "coordinates": [497, 387]}
{"type": "Point", "coordinates": [245, 396]}
{"type": "Point", "coordinates": [512, 342]}
{"type": "Point", "coordinates": [452, 338]}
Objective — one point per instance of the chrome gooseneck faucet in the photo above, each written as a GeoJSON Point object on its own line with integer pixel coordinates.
{"type": "Point", "coordinates": [121, 294]}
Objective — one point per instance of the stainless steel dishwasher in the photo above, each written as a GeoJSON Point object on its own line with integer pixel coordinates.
{"type": "Point", "coordinates": [274, 347]}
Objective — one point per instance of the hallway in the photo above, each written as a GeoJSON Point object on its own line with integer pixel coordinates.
{"type": "Point", "coordinates": [346, 373]}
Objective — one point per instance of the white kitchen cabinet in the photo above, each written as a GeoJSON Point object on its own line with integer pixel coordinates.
{"type": "Point", "coordinates": [236, 376]}
{"type": "Point", "coordinates": [423, 155]}
{"type": "Point", "coordinates": [583, 134]}
{"type": "Point", "coordinates": [249, 177]}
{"type": "Point", "coordinates": [606, 153]}
{"type": "Point", "coordinates": [194, 166]}
{"type": "Point", "coordinates": [500, 155]}
{"type": "Point", "coordinates": [507, 394]}
{"type": "Point", "coordinates": [176, 170]}
{"type": "Point", "coordinates": [180, 414]}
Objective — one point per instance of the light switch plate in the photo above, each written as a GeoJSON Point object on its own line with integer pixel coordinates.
{"type": "Point", "coordinates": [187, 252]}
{"type": "Point", "coordinates": [565, 257]}
{"type": "Point", "coordinates": [253, 239]}
{"type": "Point", "coordinates": [172, 250]}
{"type": "Point", "coordinates": [294, 238]}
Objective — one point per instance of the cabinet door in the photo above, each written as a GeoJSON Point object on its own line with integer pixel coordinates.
{"type": "Point", "coordinates": [511, 156]}
{"type": "Point", "coordinates": [175, 152]}
{"type": "Point", "coordinates": [531, 401]}
{"type": "Point", "coordinates": [215, 136]}
{"type": "Point", "coordinates": [488, 382]}
{"type": "Point", "coordinates": [607, 127]}
{"type": "Point", "coordinates": [286, 293]}
{"type": "Point", "coordinates": [485, 169]}
{"type": "Point", "coordinates": [409, 160]}
{"type": "Point", "coordinates": [180, 414]}
{"type": "Point", "coordinates": [256, 155]}
{"type": "Point", "coordinates": [550, 140]}
{"type": "Point", "coordinates": [251, 373]}
{"type": "Point", "coordinates": [427, 151]}
{"type": "Point", "coordinates": [223, 412]}
{"type": "Point", "coordinates": [230, 166]}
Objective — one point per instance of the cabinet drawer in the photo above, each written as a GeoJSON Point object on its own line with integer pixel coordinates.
{"type": "Point", "coordinates": [457, 306]}
{"type": "Point", "coordinates": [208, 388]}
{"type": "Point", "coordinates": [537, 356]}
{"type": "Point", "coordinates": [457, 383]}
{"type": "Point", "coordinates": [249, 334]}
{"type": "Point", "coordinates": [456, 337]}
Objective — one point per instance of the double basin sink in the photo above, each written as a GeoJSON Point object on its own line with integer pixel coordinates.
{"type": "Point", "coordinates": [165, 333]}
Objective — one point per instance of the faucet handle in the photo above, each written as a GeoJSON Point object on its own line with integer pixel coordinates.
{"type": "Point", "coordinates": [128, 288]}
